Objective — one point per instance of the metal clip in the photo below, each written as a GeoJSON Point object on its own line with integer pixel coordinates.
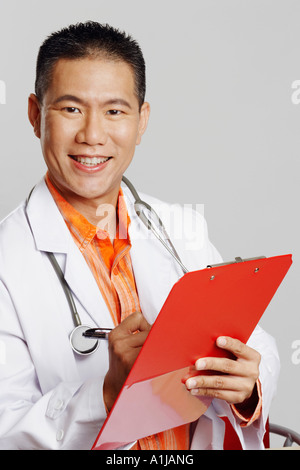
{"type": "Point", "coordinates": [238, 259]}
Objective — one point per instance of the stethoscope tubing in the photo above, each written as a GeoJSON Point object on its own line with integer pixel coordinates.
{"type": "Point", "coordinates": [147, 222]}
{"type": "Point", "coordinates": [66, 288]}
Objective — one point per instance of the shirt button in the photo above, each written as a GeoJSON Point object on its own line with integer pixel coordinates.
{"type": "Point", "coordinates": [59, 434]}
{"type": "Point", "coordinates": [58, 405]}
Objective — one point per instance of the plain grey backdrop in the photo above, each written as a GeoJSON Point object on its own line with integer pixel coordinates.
{"type": "Point", "coordinates": [224, 127]}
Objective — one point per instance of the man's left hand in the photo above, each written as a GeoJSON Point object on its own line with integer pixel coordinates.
{"type": "Point", "coordinates": [238, 376]}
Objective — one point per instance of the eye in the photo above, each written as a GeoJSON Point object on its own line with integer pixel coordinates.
{"type": "Point", "coordinates": [113, 112]}
{"type": "Point", "coordinates": [71, 110]}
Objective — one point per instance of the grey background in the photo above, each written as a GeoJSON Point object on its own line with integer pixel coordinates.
{"type": "Point", "coordinates": [223, 130]}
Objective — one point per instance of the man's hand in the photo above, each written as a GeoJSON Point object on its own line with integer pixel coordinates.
{"type": "Point", "coordinates": [237, 380]}
{"type": "Point", "coordinates": [124, 343]}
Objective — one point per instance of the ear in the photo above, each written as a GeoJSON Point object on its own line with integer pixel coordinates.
{"type": "Point", "coordinates": [144, 118]}
{"type": "Point", "coordinates": [34, 114]}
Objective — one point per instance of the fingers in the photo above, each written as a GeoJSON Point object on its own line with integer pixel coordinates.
{"type": "Point", "coordinates": [236, 347]}
{"type": "Point", "coordinates": [245, 355]}
{"type": "Point", "coordinates": [231, 396]}
{"type": "Point", "coordinates": [232, 380]}
{"type": "Point", "coordinates": [128, 337]}
{"type": "Point", "coordinates": [133, 323]}
{"type": "Point", "coordinates": [134, 329]}
{"type": "Point", "coordinates": [230, 389]}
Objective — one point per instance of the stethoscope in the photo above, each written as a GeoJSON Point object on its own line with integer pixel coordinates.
{"type": "Point", "coordinates": [83, 339]}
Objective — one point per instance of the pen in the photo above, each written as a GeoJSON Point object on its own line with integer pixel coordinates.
{"type": "Point", "coordinates": [100, 333]}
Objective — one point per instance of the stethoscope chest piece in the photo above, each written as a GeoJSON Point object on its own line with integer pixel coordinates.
{"type": "Point", "coordinates": [81, 344]}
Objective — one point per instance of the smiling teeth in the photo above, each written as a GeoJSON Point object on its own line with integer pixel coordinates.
{"type": "Point", "coordinates": [91, 161]}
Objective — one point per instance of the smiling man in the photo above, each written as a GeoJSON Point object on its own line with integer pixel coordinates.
{"type": "Point", "coordinates": [89, 113]}
{"type": "Point", "coordinates": [89, 121]}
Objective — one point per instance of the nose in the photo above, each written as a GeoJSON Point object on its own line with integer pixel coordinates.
{"type": "Point", "coordinates": [93, 130]}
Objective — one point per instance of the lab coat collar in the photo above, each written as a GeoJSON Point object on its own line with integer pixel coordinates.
{"type": "Point", "coordinates": [48, 227]}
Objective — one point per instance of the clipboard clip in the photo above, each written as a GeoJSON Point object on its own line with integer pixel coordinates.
{"type": "Point", "coordinates": [238, 259]}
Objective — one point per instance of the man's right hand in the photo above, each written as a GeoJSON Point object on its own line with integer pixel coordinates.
{"type": "Point", "coordinates": [124, 343]}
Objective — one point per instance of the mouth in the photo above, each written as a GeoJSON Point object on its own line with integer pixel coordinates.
{"type": "Point", "coordinates": [89, 161]}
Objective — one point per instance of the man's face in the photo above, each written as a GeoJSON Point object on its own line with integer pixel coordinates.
{"type": "Point", "coordinates": [89, 124]}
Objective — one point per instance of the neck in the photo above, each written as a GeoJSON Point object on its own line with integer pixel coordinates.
{"type": "Point", "coordinates": [100, 214]}
{"type": "Point", "coordinates": [100, 211]}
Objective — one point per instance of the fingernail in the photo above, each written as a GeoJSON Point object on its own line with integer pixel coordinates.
{"type": "Point", "coordinates": [191, 383]}
{"type": "Point", "coordinates": [200, 364]}
{"type": "Point", "coordinates": [222, 341]}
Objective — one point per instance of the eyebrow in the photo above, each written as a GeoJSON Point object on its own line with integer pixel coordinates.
{"type": "Point", "coordinates": [76, 99]}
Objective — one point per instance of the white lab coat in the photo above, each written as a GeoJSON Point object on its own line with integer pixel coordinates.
{"type": "Point", "coordinates": [51, 398]}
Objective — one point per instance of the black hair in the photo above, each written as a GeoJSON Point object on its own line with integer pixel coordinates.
{"type": "Point", "coordinates": [89, 39]}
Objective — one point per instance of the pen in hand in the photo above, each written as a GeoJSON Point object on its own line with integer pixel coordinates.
{"type": "Point", "coordinates": [100, 333]}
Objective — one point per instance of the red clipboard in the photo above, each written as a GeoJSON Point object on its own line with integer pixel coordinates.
{"type": "Point", "coordinates": [223, 300]}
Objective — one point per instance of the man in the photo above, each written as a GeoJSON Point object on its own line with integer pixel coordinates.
{"type": "Point", "coordinates": [89, 113]}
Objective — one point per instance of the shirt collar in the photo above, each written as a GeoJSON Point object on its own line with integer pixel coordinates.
{"type": "Point", "coordinates": [79, 226]}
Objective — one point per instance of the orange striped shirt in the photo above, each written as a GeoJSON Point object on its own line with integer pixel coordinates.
{"type": "Point", "coordinates": [111, 266]}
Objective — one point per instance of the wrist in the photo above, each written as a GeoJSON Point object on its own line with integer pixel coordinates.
{"type": "Point", "coordinates": [248, 406]}
{"type": "Point", "coordinates": [250, 409]}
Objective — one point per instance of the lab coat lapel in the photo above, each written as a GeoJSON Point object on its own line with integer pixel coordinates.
{"type": "Point", "coordinates": [52, 235]}
{"type": "Point", "coordinates": [43, 311]}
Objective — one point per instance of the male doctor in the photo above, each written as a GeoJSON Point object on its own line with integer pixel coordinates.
{"type": "Point", "coordinates": [89, 113]}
